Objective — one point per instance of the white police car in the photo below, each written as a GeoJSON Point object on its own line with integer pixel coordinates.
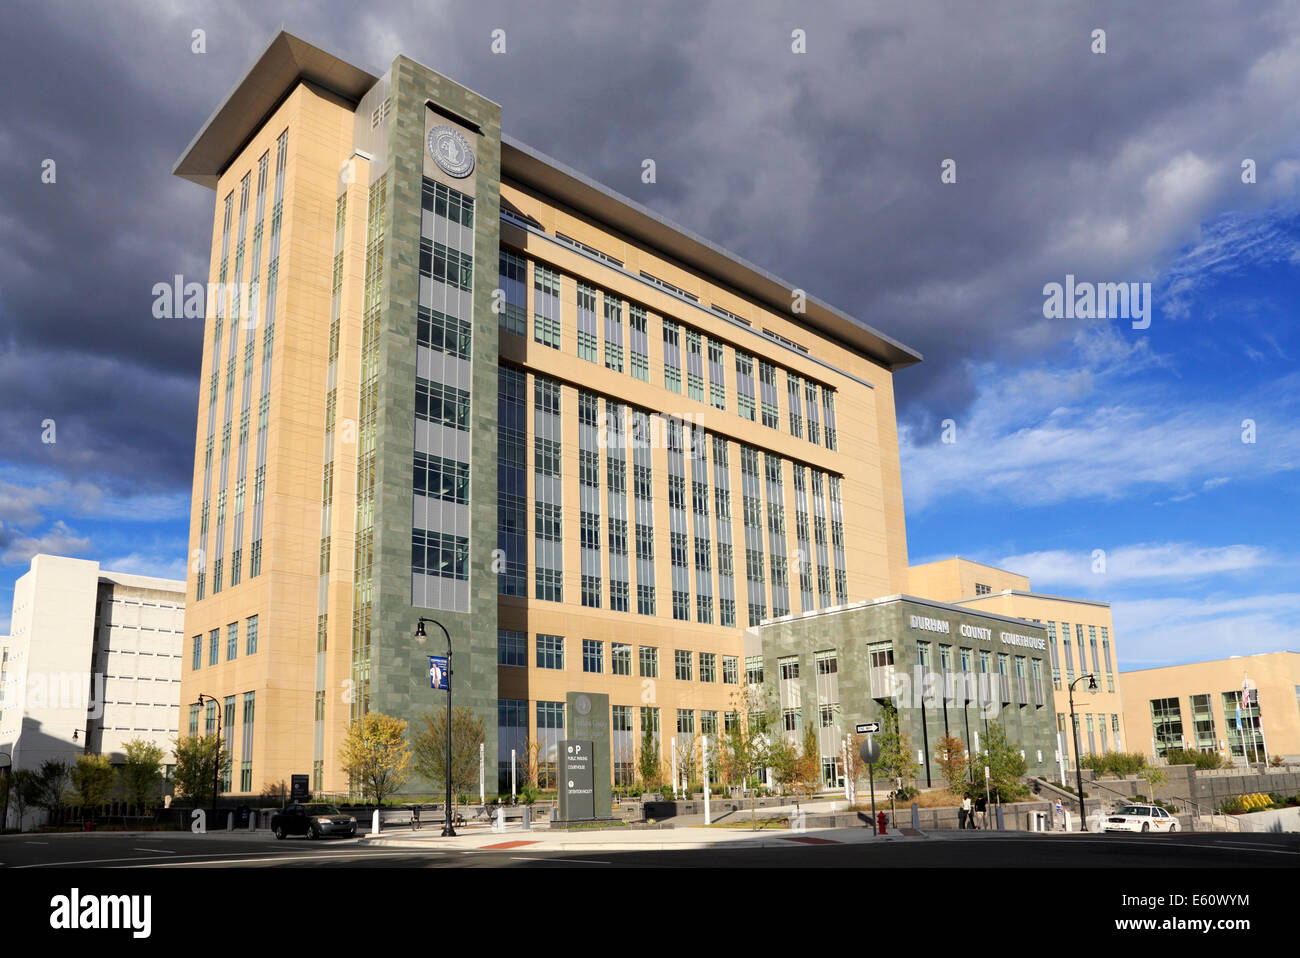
{"type": "Point", "coordinates": [1140, 818]}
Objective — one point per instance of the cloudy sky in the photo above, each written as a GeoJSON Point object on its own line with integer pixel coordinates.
{"type": "Point", "coordinates": [1103, 460]}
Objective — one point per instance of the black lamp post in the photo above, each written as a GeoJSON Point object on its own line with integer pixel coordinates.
{"type": "Point", "coordinates": [216, 765]}
{"type": "Point", "coordinates": [1078, 755]}
{"type": "Point", "coordinates": [447, 830]}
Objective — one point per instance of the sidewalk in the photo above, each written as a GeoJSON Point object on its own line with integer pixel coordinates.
{"type": "Point", "coordinates": [482, 838]}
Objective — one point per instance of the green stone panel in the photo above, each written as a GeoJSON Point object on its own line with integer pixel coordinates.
{"type": "Point", "coordinates": [400, 684]}
{"type": "Point", "coordinates": [850, 632]}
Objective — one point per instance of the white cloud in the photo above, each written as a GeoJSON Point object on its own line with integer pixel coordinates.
{"type": "Point", "coordinates": [1060, 570]}
{"type": "Point", "coordinates": [1167, 631]}
{"type": "Point", "coordinates": [1092, 429]}
{"type": "Point", "coordinates": [58, 540]}
{"type": "Point", "coordinates": [161, 566]}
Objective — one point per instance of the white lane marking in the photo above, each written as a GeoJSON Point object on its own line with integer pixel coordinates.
{"type": "Point", "coordinates": [577, 861]}
{"type": "Point", "coordinates": [274, 858]}
{"type": "Point", "coordinates": [35, 843]}
{"type": "Point", "coordinates": [160, 851]}
{"type": "Point", "coordinates": [103, 861]}
{"type": "Point", "coordinates": [1218, 841]}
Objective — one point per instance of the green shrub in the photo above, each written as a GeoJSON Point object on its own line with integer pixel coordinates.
{"type": "Point", "coordinates": [1180, 756]}
{"type": "Point", "coordinates": [906, 793]}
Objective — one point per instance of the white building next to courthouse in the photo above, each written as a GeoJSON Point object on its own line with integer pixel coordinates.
{"type": "Point", "coordinates": [93, 660]}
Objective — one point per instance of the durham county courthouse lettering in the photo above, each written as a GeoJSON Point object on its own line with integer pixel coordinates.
{"type": "Point", "coordinates": [467, 382]}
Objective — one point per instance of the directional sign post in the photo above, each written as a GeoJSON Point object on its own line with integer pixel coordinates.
{"type": "Point", "coordinates": [871, 755]}
{"type": "Point", "coordinates": [868, 728]}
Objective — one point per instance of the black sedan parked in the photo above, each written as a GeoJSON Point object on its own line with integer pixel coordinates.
{"type": "Point", "coordinates": [314, 821]}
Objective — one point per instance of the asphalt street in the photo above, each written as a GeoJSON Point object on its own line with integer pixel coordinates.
{"type": "Point", "coordinates": [1008, 850]}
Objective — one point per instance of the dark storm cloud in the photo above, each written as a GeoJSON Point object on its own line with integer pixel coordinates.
{"type": "Point", "coordinates": [823, 167]}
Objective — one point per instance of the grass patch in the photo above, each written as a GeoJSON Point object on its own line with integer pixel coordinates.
{"type": "Point", "coordinates": [761, 823]}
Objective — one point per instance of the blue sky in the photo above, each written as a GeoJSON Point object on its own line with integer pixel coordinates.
{"type": "Point", "coordinates": [821, 165]}
{"type": "Point", "coordinates": [1130, 442]}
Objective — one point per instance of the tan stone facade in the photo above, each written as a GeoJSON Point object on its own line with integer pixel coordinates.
{"type": "Point", "coordinates": [1195, 706]}
{"type": "Point", "coordinates": [335, 255]}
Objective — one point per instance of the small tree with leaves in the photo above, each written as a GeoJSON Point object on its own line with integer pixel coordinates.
{"type": "Point", "coordinates": [50, 786]}
{"type": "Point", "coordinates": [954, 764]}
{"type": "Point", "coordinates": [896, 759]}
{"type": "Point", "coordinates": [141, 773]}
{"type": "Point", "coordinates": [796, 765]}
{"type": "Point", "coordinates": [744, 751]}
{"type": "Point", "coordinates": [21, 784]}
{"type": "Point", "coordinates": [92, 778]}
{"type": "Point", "coordinates": [430, 745]}
{"type": "Point", "coordinates": [376, 756]}
{"type": "Point", "coordinates": [648, 759]}
{"type": "Point", "coordinates": [1007, 767]}
{"type": "Point", "coordinates": [196, 757]}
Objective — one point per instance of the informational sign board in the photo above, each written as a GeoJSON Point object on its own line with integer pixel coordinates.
{"type": "Point", "coordinates": [577, 784]}
{"type": "Point", "coordinates": [299, 788]}
{"type": "Point", "coordinates": [586, 719]}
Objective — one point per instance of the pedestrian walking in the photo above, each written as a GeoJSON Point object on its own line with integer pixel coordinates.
{"type": "Point", "coordinates": [967, 814]}
{"type": "Point", "coordinates": [981, 813]}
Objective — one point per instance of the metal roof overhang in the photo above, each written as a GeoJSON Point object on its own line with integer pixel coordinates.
{"type": "Point", "coordinates": [286, 61]}
{"type": "Point", "coordinates": [552, 178]}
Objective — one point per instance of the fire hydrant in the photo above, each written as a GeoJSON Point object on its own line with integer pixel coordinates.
{"type": "Point", "coordinates": [880, 823]}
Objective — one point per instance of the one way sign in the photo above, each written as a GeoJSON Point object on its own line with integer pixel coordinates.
{"type": "Point", "coordinates": [868, 728]}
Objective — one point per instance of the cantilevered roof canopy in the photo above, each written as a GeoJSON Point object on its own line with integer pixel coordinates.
{"type": "Point", "coordinates": [289, 60]}
{"type": "Point", "coordinates": [286, 61]}
{"type": "Point", "coordinates": [552, 178]}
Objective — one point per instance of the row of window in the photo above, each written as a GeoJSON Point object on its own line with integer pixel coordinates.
{"type": "Point", "coordinates": [513, 714]}
{"type": "Point", "coordinates": [1244, 735]}
{"type": "Point", "coordinates": [1063, 660]}
{"type": "Point", "coordinates": [214, 643]}
{"type": "Point", "coordinates": [810, 406]}
{"type": "Point", "coordinates": [226, 715]}
{"type": "Point", "coordinates": [512, 649]}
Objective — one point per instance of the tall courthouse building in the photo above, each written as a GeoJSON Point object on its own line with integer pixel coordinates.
{"type": "Point", "coordinates": [458, 379]}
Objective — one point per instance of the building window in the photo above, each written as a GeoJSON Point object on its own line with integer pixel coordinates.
{"type": "Point", "coordinates": [745, 387]}
{"type": "Point", "coordinates": [613, 333]}
{"type": "Point", "coordinates": [982, 589]}
{"type": "Point", "coordinates": [685, 722]}
{"type": "Point", "coordinates": [672, 357]}
{"type": "Point", "coordinates": [649, 662]}
{"type": "Point", "coordinates": [708, 667]}
{"type": "Point", "coordinates": [791, 720]}
{"type": "Point", "coordinates": [827, 663]}
{"type": "Point", "coordinates": [232, 641]}
{"type": "Point", "coordinates": [730, 670]}
{"type": "Point", "coordinates": [442, 404]}
{"type": "Point", "coordinates": [512, 648]}
{"type": "Point", "coordinates": [593, 655]}
{"type": "Point", "coordinates": [197, 661]}
{"type": "Point", "coordinates": [753, 670]}
{"type": "Point", "coordinates": [1166, 724]}
{"type": "Point", "coordinates": [438, 554]}
{"type": "Point", "coordinates": [442, 333]}
{"type": "Point", "coordinates": [620, 658]}
{"type": "Point", "coordinates": [682, 665]}
{"type": "Point", "coordinates": [788, 667]}
{"type": "Point", "coordinates": [708, 722]}
{"type": "Point", "coordinates": [214, 641]}
{"type": "Point", "coordinates": [250, 639]}
{"type": "Point", "coordinates": [640, 343]}
{"type": "Point", "coordinates": [440, 478]}
{"type": "Point", "coordinates": [546, 306]}
{"type": "Point", "coordinates": [550, 651]}
{"type": "Point", "coordinates": [586, 322]}
{"type": "Point", "coordinates": [447, 265]}
{"type": "Point", "coordinates": [513, 277]}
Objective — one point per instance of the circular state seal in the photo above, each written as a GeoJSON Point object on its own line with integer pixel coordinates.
{"type": "Point", "coordinates": [451, 151]}
{"type": "Point", "coordinates": [582, 704]}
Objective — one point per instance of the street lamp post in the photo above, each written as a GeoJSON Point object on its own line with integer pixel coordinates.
{"type": "Point", "coordinates": [216, 764]}
{"type": "Point", "coordinates": [448, 831]}
{"type": "Point", "coordinates": [1078, 763]}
